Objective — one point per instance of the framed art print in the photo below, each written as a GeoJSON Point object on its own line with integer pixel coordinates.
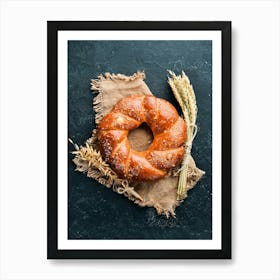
{"type": "Point", "coordinates": [139, 140]}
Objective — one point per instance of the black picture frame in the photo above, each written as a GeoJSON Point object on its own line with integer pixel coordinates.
{"type": "Point", "coordinates": [52, 131]}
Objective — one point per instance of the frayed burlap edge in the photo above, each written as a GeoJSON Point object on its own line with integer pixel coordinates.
{"type": "Point", "coordinates": [96, 87]}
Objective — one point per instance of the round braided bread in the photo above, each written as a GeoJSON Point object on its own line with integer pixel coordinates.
{"type": "Point", "coordinates": [165, 152]}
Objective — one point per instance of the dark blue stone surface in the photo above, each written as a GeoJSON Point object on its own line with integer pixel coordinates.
{"type": "Point", "coordinates": [96, 212]}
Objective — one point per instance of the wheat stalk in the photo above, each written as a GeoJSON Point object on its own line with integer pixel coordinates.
{"type": "Point", "coordinates": [184, 94]}
{"type": "Point", "coordinates": [89, 160]}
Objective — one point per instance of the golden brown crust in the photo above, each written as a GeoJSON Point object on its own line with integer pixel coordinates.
{"type": "Point", "coordinates": [166, 150]}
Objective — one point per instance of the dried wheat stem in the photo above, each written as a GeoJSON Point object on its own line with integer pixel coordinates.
{"type": "Point", "coordinates": [184, 94]}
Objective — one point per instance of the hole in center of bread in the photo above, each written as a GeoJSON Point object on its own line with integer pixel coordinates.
{"type": "Point", "coordinates": [140, 138]}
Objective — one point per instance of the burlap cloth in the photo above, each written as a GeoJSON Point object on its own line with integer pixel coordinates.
{"type": "Point", "coordinates": [160, 194]}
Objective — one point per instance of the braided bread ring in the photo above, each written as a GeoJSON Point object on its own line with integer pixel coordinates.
{"type": "Point", "coordinates": [165, 152]}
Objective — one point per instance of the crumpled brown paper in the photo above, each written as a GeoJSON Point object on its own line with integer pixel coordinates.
{"type": "Point", "coordinates": [160, 194]}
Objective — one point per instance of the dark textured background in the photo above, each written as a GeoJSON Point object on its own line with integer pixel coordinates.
{"type": "Point", "coordinates": [96, 212]}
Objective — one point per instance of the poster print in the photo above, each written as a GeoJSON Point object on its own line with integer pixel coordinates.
{"type": "Point", "coordinates": [139, 140]}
